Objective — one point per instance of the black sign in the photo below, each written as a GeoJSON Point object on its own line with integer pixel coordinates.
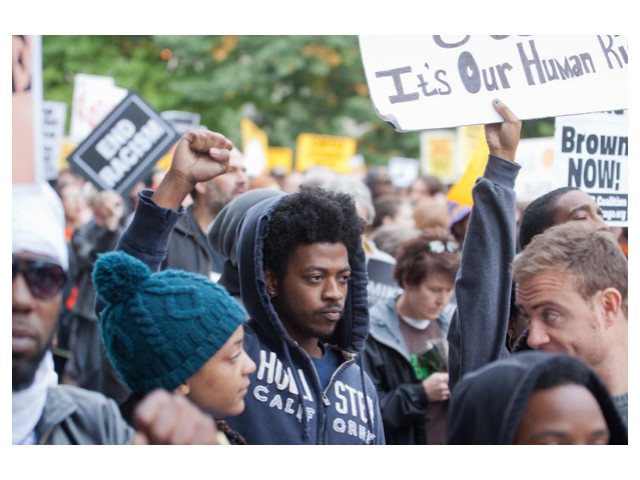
{"type": "Point", "coordinates": [124, 147]}
{"type": "Point", "coordinates": [381, 285]}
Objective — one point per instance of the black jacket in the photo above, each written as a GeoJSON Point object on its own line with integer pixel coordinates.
{"type": "Point", "coordinates": [403, 402]}
{"type": "Point", "coordinates": [189, 249]}
{"type": "Point", "coordinates": [487, 405]}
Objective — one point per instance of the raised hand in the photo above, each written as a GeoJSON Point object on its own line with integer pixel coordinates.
{"type": "Point", "coordinates": [164, 418]}
{"type": "Point", "coordinates": [200, 155]}
{"type": "Point", "coordinates": [503, 137]}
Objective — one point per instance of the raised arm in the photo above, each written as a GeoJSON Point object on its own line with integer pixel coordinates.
{"type": "Point", "coordinates": [200, 155]}
{"type": "Point", "coordinates": [483, 287]}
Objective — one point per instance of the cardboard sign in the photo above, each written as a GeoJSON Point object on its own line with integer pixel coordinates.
{"type": "Point", "coordinates": [324, 150]}
{"type": "Point", "coordinates": [434, 81]}
{"type": "Point", "coordinates": [26, 108]}
{"type": "Point", "coordinates": [124, 147]}
{"type": "Point", "coordinates": [591, 153]}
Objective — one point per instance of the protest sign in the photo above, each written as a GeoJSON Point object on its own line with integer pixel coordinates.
{"type": "Point", "coordinates": [437, 154]}
{"type": "Point", "coordinates": [381, 284]}
{"type": "Point", "coordinates": [535, 178]}
{"type": "Point", "coordinates": [591, 153]}
{"type": "Point", "coordinates": [181, 121]}
{"type": "Point", "coordinates": [54, 115]}
{"type": "Point", "coordinates": [124, 147]}
{"type": "Point", "coordinates": [94, 96]}
{"type": "Point", "coordinates": [280, 157]}
{"type": "Point", "coordinates": [403, 171]}
{"type": "Point", "coordinates": [26, 109]}
{"type": "Point", "coordinates": [324, 150]}
{"type": "Point", "coordinates": [434, 81]}
{"type": "Point", "coordinates": [255, 143]}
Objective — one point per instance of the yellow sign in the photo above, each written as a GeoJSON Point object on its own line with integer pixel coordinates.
{"type": "Point", "coordinates": [165, 161]}
{"type": "Point", "coordinates": [324, 150]}
{"type": "Point", "coordinates": [66, 148]}
{"type": "Point", "coordinates": [250, 131]}
{"type": "Point", "coordinates": [460, 192]}
{"type": "Point", "coordinates": [280, 157]}
{"type": "Point", "coordinates": [441, 157]}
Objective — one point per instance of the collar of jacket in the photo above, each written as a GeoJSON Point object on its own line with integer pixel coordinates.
{"type": "Point", "coordinates": [58, 407]}
{"type": "Point", "coordinates": [385, 326]}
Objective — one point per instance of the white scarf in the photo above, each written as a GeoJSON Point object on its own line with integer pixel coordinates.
{"type": "Point", "coordinates": [419, 324]}
{"type": "Point", "coordinates": [28, 404]}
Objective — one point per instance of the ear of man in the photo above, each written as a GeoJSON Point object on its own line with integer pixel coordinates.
{"type": "Point", "coordinates": [611, 305]}
{"type": "Point", "coordinates": [272, 282]}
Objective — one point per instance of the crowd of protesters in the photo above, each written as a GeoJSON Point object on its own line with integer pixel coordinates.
{"type": "Point", "coordinates": [316, 308]}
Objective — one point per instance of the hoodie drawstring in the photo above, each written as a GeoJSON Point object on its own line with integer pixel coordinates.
{"type": "Point", "coordinates": [298, 382]}
{"type": "Point", "coordinates": [364, 391]}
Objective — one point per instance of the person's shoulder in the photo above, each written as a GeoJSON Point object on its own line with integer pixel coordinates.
{"type": "Point", "coordinates": [82, 398]}
{"type": "Point", "coordinates": [75, 415]}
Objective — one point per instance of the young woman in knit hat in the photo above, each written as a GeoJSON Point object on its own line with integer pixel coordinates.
{"type": "Point", "coordinates": [174, 330]}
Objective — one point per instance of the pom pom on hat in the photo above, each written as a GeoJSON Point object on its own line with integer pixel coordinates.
{"type": "Point", "coordinates": [117, 276]}
{"type": "Point", "coordinates": [159, 329]}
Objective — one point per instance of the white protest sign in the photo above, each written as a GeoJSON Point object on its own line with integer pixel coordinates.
{"type": "Point", "coordinates": [94, 96]}
{"type": "Point", "coordinates": [403, 171]}
{"type": "Point", "coordinates": [54, 116]}
{"type": "Point", "coordinates": [591, 153]}
{"type": "Point", "coordinates": [255, 158]}
{"type": "Point", "coordinates": [433, 81]}
{"type": "Point", "coordinates": [535, 178]}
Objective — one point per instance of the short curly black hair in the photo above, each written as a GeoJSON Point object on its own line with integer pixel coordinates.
{"type": "Point", "coordinates": [311, 215]}
{"type": "Point", "coordinates": [538, 216]}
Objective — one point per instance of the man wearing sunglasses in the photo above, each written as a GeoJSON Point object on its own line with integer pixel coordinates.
{"type": "Point", "coordinates": [44, 412]}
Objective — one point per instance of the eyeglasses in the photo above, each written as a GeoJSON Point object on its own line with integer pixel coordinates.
{"type": "Point", "coordinates": [45, 279]}
{"type": "Point", "coordinates": [438, 246]}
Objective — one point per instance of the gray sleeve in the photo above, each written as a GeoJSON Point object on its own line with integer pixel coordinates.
{"type": "Point", "coordinates": [483, 286]}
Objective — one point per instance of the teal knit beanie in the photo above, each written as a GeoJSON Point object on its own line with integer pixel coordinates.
{"type": "Point", "coordinates": [158, 329]}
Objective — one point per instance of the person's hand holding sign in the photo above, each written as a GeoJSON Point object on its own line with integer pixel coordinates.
{"type": "Point", "coordinates": [503, 137]}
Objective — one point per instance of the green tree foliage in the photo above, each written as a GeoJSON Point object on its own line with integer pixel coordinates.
{"type": "Point", "coordinates": [287, 85]}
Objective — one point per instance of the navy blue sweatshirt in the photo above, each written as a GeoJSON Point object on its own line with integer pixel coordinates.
{"type": "Point", "coordinates": [286, 384]}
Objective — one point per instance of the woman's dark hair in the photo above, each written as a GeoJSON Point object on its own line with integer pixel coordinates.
{"type": "Point", "coordinates": [415, 260]}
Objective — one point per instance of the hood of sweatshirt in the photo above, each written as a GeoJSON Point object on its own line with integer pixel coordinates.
{"type": "Point", "coordinates": [223, 233]}
{"type": "Point", "coordinates": [350, 333]}
{"type": "Point", "coordinates": [487, 405]}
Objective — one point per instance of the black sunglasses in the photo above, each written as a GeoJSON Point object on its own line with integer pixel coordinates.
{"type": "Point", "coordinates": [438, 246]}
{"type": "Point", "coordinates": [45, 279]}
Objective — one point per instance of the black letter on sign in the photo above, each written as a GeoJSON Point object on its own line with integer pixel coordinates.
{"type": "Point", "coordinates": [469, 73]}
{"type": "Point", "coordinates": [401, 96]}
